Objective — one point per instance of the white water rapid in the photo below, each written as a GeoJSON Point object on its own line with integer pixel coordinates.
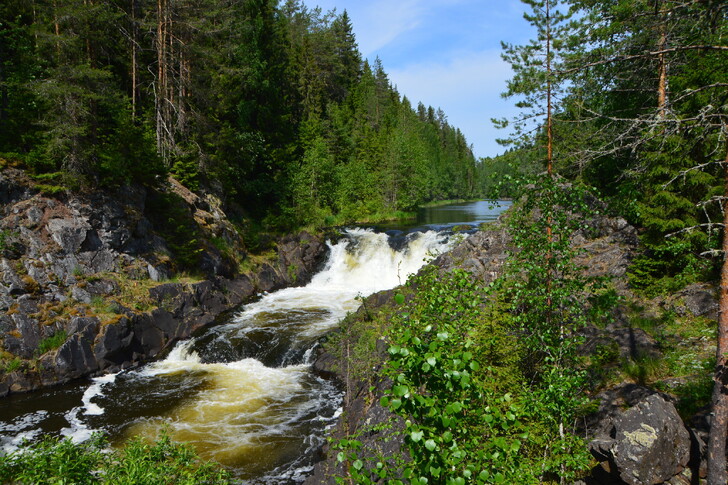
{"type": "Point", "coordinates": [242, 393]}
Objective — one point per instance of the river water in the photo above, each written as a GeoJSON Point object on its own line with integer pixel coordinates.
{"type": "Point", "coordinates": [242, 392]}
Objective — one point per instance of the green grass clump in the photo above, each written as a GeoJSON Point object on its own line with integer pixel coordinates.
{"type": "Point", "coordinates": [54, 460]}
{"type": "Point", "coordinates": [52, 342]}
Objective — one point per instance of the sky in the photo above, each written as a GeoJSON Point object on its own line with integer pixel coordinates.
{"type": "Point", "coordinates": [445, 54]}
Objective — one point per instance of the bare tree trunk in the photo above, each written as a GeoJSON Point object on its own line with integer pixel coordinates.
{"type": "Point", "coordinates": [719, 423]}
{"type": "Point", "coordinates": [549, 144]}
{"type": "Point", "coordinates": [133, 60]}
{"type": "Point", "coordinates": [662, 79]}
{"type": "Point", "coordinates": [549, 121]}
{"type": "Point", "coordinates": [161, 85]}
{"type": "Point", "coordinates": [57, 29]}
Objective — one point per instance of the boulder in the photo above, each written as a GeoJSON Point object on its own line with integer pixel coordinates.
{"type": "Point", "coordinates": [113, 346]}
{"type": "Point", "coordinates": [69, 233]}
{"type": "Point", "coordinates": [25, 345]}
{"type": "Point", "coordinates": [698, 299]}
{"type": "Point", "coordinates": [646, 444]}
{"type": "Point", "coordinates": [13, 284]}
{"type": "Point", "coordinates": [75, 358]}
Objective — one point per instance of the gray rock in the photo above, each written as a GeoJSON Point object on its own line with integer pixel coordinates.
{"type": "Point", "coordinates": [159, 272]}
{"type": "Point", "coordinates": [98, 261]}
{"type": "Point", "coordinates": [80, 295]}
{"type": "Point", "coordinates": [102, 287]}
{"type": "Point", "coordinates": [113, 346]}
{"type": "Point", "coordinates": [34, 215]}
{"type": "Point", "coordinates": [65, 267]}
{"type": "Point", "coordinates": [69, 234]}
{"type": "Point", "coordinates": [88, 327]}
{"type": "Point", "coordinates": [699, 300]}
{"type": "Point", "coordinates": [6, 301]}
{"type": "Point", "coordinates": [29, 336]}
{"type": "Point", "coordinates": [75, 358]}
{"type": "Point", "coordinates": [11, 280]}
{"type": "Point", "coordinates": [166, 292]}
{"type": "Point", "coordinates": [27, 304]}
{"type": "Point", "coordinates": [267, 278]}
{"type": "Point", "coordinates": [36, 270]}
{"type": "Point", "coordinates": [646, 445]}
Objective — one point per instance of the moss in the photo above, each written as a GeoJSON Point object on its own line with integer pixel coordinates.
{"type": "Point", "coordinates": [52, 342]}
{"type": "Point", "coordinates": [51, 190]}
{"type": "Point", "coordinates": [292, 270]}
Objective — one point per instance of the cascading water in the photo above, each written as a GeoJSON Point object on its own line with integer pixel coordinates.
{"type": "Point", "coordinates": [242, 393]}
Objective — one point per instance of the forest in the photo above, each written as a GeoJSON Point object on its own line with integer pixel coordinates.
{"type": "Point", "coordinates": [268, 105]}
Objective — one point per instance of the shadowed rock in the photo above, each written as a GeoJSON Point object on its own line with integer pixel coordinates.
{"type": "Point", "coordinates": [646, 444]}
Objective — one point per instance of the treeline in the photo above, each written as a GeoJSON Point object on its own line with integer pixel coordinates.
{"type": "Point", "coordinates": [639, 108]}
{"type": "Point", "coordinates": [268, 105]}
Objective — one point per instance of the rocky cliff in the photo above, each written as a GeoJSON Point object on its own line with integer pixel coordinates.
{"type": "Point", "coordinates": [95, 282]}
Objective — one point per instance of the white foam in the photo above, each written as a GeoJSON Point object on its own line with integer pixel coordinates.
{"type": "Point", "coordinates": [181, 358]}
{"type": "Point", "coordinates": [95, 390]}
{"type": "Point", "coordinates": [78, 430]}
{"type": "Point", "coordinates": [357, 267]}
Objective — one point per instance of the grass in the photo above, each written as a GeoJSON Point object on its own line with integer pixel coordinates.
{"type": "Point", "coordinates": [9, 363]}
{"type": "Point", "coordinates": [52, 342]}
{"type": "Point", "coordinates": [55, 460]}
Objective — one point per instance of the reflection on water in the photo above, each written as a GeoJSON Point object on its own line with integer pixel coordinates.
{"type": "Point", "coordinates": [445, 217]}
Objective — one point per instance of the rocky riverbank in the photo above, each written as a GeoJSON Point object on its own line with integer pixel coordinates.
{"type": "Point", "coordinates": [634, 428]}
{"type": "Point", "coordinates": [96, 282]}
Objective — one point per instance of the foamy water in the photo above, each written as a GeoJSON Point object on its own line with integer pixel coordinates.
{"type": "Point", "coordinates": [242, 393]}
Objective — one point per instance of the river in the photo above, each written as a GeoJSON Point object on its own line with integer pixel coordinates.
{"type": "Point", "coordinates": [242, 392]}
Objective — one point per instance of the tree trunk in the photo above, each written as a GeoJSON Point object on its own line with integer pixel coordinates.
{"type": "Point", "coordinates": [161, 84]}
{"type": "Point", "coordinates": [718, 426]}
{"type": "Point", "coordinates": [133, 60]}
{"type": "Point", "coordinates": [549, 123]}
{"type": "Point", "coordinates": [662, 77]}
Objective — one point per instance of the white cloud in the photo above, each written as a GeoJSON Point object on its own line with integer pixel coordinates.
{"type": "Point", "coordinates": [466, 86]}
{"type": "Point", "coordinates": [379, 23]}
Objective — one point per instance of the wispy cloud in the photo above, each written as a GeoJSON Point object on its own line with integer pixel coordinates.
{"type": "Point", "coordinates": [445, 53]}
{"type": "Point", "coordinates": [379, 23]}
{"type": "Point", "coordinates": [466, 86]}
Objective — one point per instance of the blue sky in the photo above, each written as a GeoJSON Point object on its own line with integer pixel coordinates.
{"type": "Point", "coordinates": [444, 53]}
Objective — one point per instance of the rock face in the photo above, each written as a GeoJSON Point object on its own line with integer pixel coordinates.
{"type": "Point", "coordinates": [645, 445]}
{"type": "Point", "coordinates": [64, 261]}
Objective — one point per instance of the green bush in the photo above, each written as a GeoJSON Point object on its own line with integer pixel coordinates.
{"type": "Point", "coordinates": [61, 461]}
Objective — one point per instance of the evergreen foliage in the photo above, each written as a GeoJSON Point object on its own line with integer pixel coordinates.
{"type": "Point", "coordinates": [269, 104]}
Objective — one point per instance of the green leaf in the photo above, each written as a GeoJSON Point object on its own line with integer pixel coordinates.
{"type": "Point", "coordinates": [430, 445]}
{"type": "Point", "coordinates": [358, 465]}
{"type": "Point", "coordinates": [400, 391]}
{"type": "Point", "coordinates": [416, 435]}
{"type": "Point", "coordinates": [399, 298]}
